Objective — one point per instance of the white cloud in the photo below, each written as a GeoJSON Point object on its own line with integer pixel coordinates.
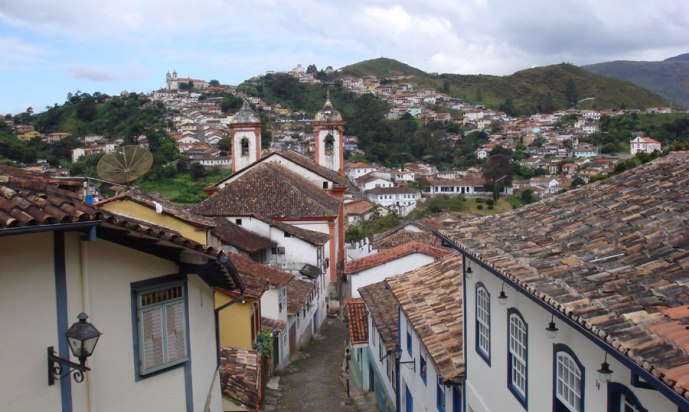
{"type": "Point", "coordinates": [101, 73]}
{"type": "Point", "coordinates": [22, 55]}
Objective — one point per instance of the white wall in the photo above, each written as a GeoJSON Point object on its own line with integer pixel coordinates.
{"type": "Point", "coordinates": [375, 350]}
{"type": "Point", "coordinates": [423, 393]}
{"type": "Point", "coordinates": [486, 386]}
{"type": "Point", "coordinates": [98, 279]}
{"type": "Point", "coordinates": [386, 270]}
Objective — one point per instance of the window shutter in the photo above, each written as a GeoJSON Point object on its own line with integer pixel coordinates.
{"type": "Point", "coordinates": [176, 336]}
{"type": "Point", "coordinates": [152, 337]}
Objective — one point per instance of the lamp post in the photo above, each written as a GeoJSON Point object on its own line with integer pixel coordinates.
{"type": "Point", "coordinates": [82, 337]}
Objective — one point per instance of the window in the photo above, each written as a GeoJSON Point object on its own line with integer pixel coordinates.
{"type": "Point", "coordinates": [245, 147]}
{"type": "Point", "coordinates": [422, 367]}
{"type": "Point", "coordinates": [287, 234]}
{"type": "Point", "coordinates": [238, 222]}
{"type": "Point", "coordinates": [517, 355]}
{"type": "Point", "coordinates": [278, 250]}
{"type": "Point", "coordinates": [483, 322]}
{"type": "Point", "coordinates": [329, 144]}
{"type": "Point", "coordinates": [622, 399]}
{"type": "Point", "coordinates": [568, 381]}
{"type": "Point", "coordinates": [381, 353]}
{"type": "Point", "coordinates": [161, 327]}
{"type": "Point", "coordinates": [440, 395]}
{"type": "Point", "coordinates": [325, 185]}
{"type": "Point", "coordinates": [282, 299]}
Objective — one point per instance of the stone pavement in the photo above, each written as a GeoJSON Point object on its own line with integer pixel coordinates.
{"type": "Point", "coordinates": [316, 380]}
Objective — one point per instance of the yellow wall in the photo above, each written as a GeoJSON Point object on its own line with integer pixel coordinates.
{"type": "Point", "coordinates": [235, 322]}
{"type": "Point", "coordinates": [141, 212]}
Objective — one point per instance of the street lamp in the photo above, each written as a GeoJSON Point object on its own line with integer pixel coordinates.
{"type": "Point", "coordinates": [82, 337]}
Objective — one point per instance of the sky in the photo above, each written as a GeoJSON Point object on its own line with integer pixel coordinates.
{"type": "Point", "coordinates": [51, 48]}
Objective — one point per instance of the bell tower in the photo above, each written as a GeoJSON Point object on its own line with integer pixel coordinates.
{"type": "Point", "coordinates": [328, 134]}
{"type": "Point", "coordinates": [245, 137]}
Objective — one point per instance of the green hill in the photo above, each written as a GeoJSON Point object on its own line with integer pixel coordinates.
{"type": "Point", "coordinates": [544, 89]}
{"type": "Point", "coordinates": [669, 78]}
{"type": "Point", "coordinates": [381, 67]}
{"type": "Point", "coordinates": [541, 89]}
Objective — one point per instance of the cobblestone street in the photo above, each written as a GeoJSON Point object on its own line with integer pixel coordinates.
{"type": "Point", "coordinates": [314, 381]}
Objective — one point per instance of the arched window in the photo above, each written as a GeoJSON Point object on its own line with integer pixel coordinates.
{"type": "Point", "coordinates": [569, 380]}
{"type": "Point", "coordinates": [245, 146]}
{"type": "Point", "coordinates": [622, 399]}
{"type": "Point", "coordinates": [483, 322]}
{"type": "Point", "coordinates": [329, 144]}
{"type": "Point", "coordinates": [517, 355]}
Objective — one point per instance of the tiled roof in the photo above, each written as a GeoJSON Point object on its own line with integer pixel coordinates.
{"type": "Point", "coordinates": [358, 207]}
{"type": "Point", "coordinates": [357, 265]}
{"type": "Point", "coordinates": [297, 292]}
{"type": "Point", "coordinates": [150, 200]}
{"type": "Point", "coordinates": [260, 271]}
{"type": "Point", "coordinates": [383, 309]}
{"type": "Point", "coordinates": [357, 321]}
{"type": "Point", "coordinates": [308, 163]}
{"type": "Point", "coordinates": [36, 200]}
{"type": "Point", "coordinates": [240, 377]}
{"type": "Point", "coordinates": [612, 256]}
{"type": "Point", "coordinates": [269, 189]}
{"type": "Point", "coordinates": [431, 298]}
{"type": "Point", "coordinates": [273, 325]}
{"type": "Point", "coordinates": [235, 235]}
{"type": "Point", "coordinates": [311, 236]}
{"type": "Point", "coordinates": [405, 236]}
{"type": "Point", "coordinates": [29, 199]}
{"type": "Point", "coordinates": [369, 177]}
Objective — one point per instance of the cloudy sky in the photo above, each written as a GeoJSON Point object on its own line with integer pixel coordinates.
{"type": "Point", "coordinates": [50, 48]}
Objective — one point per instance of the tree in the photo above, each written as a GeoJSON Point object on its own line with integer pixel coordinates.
{"type": "Point", "coordinates": [527, 196]}
{"type": "Point", "coordinates": [311, 69]}
{"type": "Point", "coordinates": [497, 172]}
{"type": "Point", "coordinates": [197, 171]}
{"type": "Point", "coordinates": [214, 83]}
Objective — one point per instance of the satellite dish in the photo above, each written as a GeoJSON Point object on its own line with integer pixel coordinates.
{"type": "Point", "coordinates": [125, 164]}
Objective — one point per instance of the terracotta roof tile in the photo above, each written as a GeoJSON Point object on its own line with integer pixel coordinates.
{"type": "Point", "coordinates": [273, 325]}
{"type": "Point", "coordinates": [357, 321]}
{"type": "Point", "coordinates": [240, 377]}
{"type": "Point", "coordinates": [431, 298]}
{"type": "Point", "coordinates": [309, 164]}
{"type": "Point", "coordinates": [357, 265]}
{"type": "Point", "coordinates": [31, 199]}
{"type": "Point", "coordinates": [260, 271]}
{"type": "Point", "coordinates": [235, 235]}
{"type": "Point", "coordinates": [298, 292]}
{"type": "Point", "coordinates": [404, 236]}
{"type": "Point", "coordinates": [383, 309]}
{"type": "Point", "coordinates": [269, 189]}
{"type": "Point", "coordinates": [609, 255]}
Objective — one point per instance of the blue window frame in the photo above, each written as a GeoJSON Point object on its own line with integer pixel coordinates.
{"type": "Point", "coordinates": [160, 325]}
{"type": "Point", "coordinates": [422, 367]}
{"type": "Point", "coordinates": [408, 399]}
{"type": "Point", "coordinates": [568, 380]}
{"type": "Point", "coordinates": [622, 399]}
{"type": "Point", "coordinates": [483, 322]}
{"type": "Point", "coordinates": [409, 346]}
{"type": "Point", "coordinates": [517, 356]}
{"type": "Point", "coordinates": [456, 400]}
{"type": "Point", "coordinates": [440, 395]}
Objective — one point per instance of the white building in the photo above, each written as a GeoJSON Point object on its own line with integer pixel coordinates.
{"type": "Point", "coordinates": [430, 347]}
{"type": "Point", "coordinates": [400, 199]}
{"type": "Point", "coordinates": [378, 266]}
{"type": "Point", "coordinates": [581, 320]}
{"type": "Point", "coordinates": [147, 289]}
{"type": "Point", "coordinates": [643, 144]}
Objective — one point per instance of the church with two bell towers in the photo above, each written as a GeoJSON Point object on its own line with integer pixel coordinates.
{"type": "Point", "coordinates": [328, 134]}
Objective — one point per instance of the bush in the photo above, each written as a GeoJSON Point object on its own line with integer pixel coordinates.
{"type": "Point", "coordinates": [479, 207]}
{"type": "Point", "coordinates": [490, 203]}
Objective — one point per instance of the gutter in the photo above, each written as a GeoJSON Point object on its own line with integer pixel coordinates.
{"type": "Point", "coordinates": [652, 380]}
{"type": "Point", "coordinates": [22, 230]}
